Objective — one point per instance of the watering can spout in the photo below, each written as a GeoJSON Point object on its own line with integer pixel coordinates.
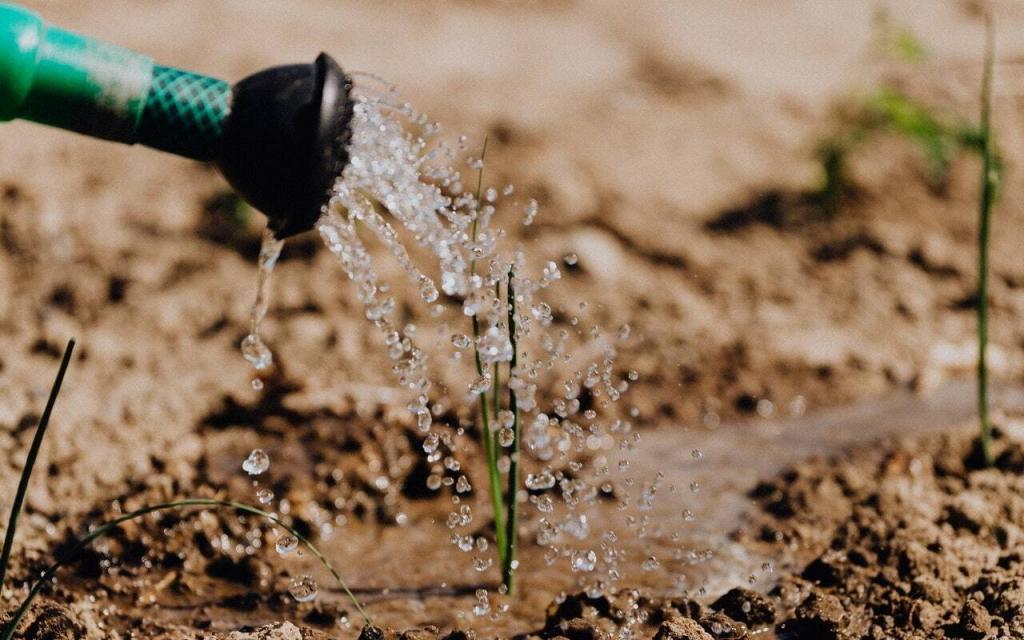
{"type": "Point", "coordinates": [279, 136]}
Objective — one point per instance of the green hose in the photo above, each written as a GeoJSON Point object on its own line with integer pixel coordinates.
{"type": "Point", "coordinates": [63, 79]}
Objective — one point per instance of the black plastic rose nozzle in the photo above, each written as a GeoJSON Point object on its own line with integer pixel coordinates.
{"type": "Point", "coordinates": [279, 136]}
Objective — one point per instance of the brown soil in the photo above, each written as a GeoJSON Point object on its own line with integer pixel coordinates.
{"type": "Point", "coordinates": [670, 148]}
{"type": "Point", "coordinates": [914, 539]}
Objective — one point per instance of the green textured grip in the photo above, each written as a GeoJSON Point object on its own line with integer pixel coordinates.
{"type": "Point", "coordinates": [184, 113]}
{"type": "Point", "coordinates": [67, 80]}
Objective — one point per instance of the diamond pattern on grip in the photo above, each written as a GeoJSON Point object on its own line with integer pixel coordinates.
{"type": "Point", "coordinates": [184, 113]}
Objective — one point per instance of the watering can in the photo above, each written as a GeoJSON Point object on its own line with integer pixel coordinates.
{"type": "Point", "coordinates": [279, 136]}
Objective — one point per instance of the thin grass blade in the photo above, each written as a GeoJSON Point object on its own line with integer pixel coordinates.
{"type": "Point", "coordinates": [30, 461]}
{"type": "Point", "coordinates": [108, 527]}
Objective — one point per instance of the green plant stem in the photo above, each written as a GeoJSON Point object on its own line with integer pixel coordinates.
{"type": "Point", "coordinates": [989, 181]}
{"type": "Point", "coordinates": [496, 380]}
{"type": "Point", "coordinates": [107, 527]}
{"type": "Point", "coordinates": [487, 439]}
{"type": "Point", "coordinates": [30, 461]}
{"type": "Point", "coordinates": [509, 565]}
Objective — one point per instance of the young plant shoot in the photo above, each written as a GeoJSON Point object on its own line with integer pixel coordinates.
{"type": "Point", "coordinates": [989, 186]}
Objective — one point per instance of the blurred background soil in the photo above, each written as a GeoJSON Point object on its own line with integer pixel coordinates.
{"type": "Point", "coordinates": [671, 145]}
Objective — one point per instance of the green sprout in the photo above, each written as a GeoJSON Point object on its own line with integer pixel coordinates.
{"type": "Point", "coordinates": [8, 631]}
{"type": "Point", "coordinates": [890, 111]}
{"type": "Point", "coordinates": [895, 39]}
{"type": "Point", "coordinates": [506, 518]}
{"type": "Point", "coordinates": [508, 567]}
{"type": "Point", "coordinates": [990, 175]}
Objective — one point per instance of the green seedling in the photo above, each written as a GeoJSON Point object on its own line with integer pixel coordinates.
{"type": "Point", "coordinates": [7, 633]}
{"type": "Point", "coordinates": [990, 177]}
{"type": "Point", "coordinates": [889, 111]}
{"type": "Point", "coordinates": [508, 567]}
{"type": "Point", "coordinates": [505, 518]}
{"type": "Point", "coordinates": [894, 39]}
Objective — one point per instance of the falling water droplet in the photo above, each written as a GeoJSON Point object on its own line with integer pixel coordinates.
{"type": "Point", "coordinates": [480, 385]}
{"type": "Point", "coordinates": [506, 437]}
{"type": "Point", "coordinates": [650, 564]}
{"type": "Point", "coordinates": [256, 352]}
{"type": "Point", "coordinates": [286, 544]}
{"type": "Point", "coordinates": [539, 481]}
{"type": "Point", "coordinates": [428, 291]}
{"type": "Point", "coordinates": [257, 462]}
{"type": "Point", "coordinates": [303, 588]}
{"type": "Point", "coordinates": [583, 561]}
{"type": "Point", "coordinates": [482, 564]}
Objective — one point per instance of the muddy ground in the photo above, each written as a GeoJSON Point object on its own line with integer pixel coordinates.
{"type": "Point", "coordinates": [671, 147]}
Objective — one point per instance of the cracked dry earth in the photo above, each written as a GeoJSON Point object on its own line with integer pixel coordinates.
{"type": "Point", "coordinates": [662, 153]}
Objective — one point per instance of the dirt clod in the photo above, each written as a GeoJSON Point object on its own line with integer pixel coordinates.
{"type": "Point", "coordinates": [975, 622]}
{"type": "Point", "coordinates": [278, 631]}
{"type": "Point", "coordinates": [370, 632]}
{"type": "Point", "coordinates": [679, 628]}
{"type": "Point", "coordinates": [749, 607]}
{"type": "Point", "coordinates": [820, 616]}
{"type": "Point", "coordinates": [53, 621]}
{"type": "Point", "coordinates": [722, 627]}
{"type": "Point", "coordinates": [922, 550]}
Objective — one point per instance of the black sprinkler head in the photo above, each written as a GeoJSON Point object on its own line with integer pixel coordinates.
{"type": "Point", "coordinates": [286, 140]}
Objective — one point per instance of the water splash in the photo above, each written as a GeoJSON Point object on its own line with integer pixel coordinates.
{"type": "Point", "coordinates": [401, 189]}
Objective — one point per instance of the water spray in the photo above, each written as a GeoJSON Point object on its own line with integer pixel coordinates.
{"type": "Point", "coordinates": [279, 136]}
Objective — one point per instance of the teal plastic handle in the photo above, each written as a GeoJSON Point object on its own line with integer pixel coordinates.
{"type": "Point", "coordinates": [63, 79]}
